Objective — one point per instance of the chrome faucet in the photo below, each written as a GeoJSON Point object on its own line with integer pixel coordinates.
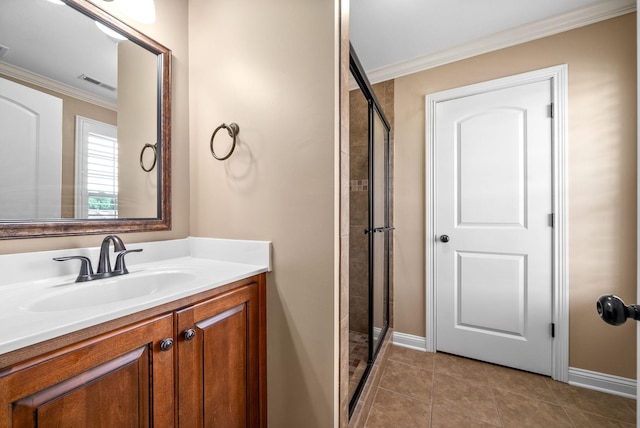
{"type": "Point", "coordinates": [104, 263]}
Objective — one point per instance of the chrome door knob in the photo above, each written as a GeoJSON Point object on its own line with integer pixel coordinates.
{"type": "Point", "coordinates": [444, 238]}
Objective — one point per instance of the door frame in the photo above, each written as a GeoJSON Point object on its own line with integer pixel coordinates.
{"type": "Point", "coordinates": [560, 250]}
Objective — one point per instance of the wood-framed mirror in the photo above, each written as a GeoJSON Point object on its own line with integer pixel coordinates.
{"type": "Point", "coordinates": [85, 146]}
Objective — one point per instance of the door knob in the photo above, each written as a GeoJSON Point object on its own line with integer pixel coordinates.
{"type": "Point", "coordinates": [444, 238]}
{"type": "Point", "coordinates": [613, 311]}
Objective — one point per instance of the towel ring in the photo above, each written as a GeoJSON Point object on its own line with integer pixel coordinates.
{"type": "Point", "coordinates": [233, 129]}
{"type": "Point", "coordinates": [153, 147]}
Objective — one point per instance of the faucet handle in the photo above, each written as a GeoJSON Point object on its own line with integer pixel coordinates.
{"type": "Point", "coordinates": [121, 268]}
{"type": "Point", "coordinates": [86, 271]}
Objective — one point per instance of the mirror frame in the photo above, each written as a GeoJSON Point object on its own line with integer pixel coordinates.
{"type": "Point", "coordinates": [72, 227]}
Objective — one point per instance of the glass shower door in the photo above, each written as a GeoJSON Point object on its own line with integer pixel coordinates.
{"type": "Point", "coordinates": [370, 231]}
{"type": "Point", "coordinates": [379, 240]}
{"type": "Point", "coordinates": [358, 242]}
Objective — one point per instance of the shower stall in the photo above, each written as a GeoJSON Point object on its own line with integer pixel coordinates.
{"type": "Point", "coordinates": [370, 229]}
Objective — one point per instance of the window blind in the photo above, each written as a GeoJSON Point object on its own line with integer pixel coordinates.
{"type": "Point", "coordinates": [102, 176]}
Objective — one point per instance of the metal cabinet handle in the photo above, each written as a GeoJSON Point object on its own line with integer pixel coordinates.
{"type": "Point", "coordinates": [444, 238]}
{"type": "Point", "coordinates": [189, 334]}
{"type": "Point", "coordinates": [166, 344]}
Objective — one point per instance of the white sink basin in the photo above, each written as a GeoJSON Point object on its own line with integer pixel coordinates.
{"type": "Point", "coordinates": [110, 290]}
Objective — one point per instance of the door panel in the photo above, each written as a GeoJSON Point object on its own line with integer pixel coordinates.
{"type": "Point", "coordinates": [380, 220]}
{"type": "Point", "coordinates": [218, 376]}
{"type": "Point", "coordinates": [30, 153]}
{"type": "Point", "coordinates": [113, 388]}
{"type": "Point", "coordinates": [225, 338]}
{"type": "Point", "coordinates": [118, 379]}
{"type": "Point", "coordinates": [504, 274]}
{"type": "Point", "coordinates": [494, 200]}
{"type": "Point", "coordinates": [496, 131]}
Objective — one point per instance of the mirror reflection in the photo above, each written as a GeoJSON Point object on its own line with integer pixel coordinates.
{"type": "Point", "coordinates": [77, 105]}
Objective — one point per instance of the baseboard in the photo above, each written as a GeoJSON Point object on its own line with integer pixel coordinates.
{"type": "Point", "coordinates": [409, 341]}
{"type": "Point", "coordinates": [602, 382]}
{"type": "Point", "coordinates": [610, 384]}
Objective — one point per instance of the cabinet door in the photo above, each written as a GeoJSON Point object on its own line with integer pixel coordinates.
{"type": "Point", "coordinates": [218, 368]}
{"type": "Point", "coordinates": [119, 379]}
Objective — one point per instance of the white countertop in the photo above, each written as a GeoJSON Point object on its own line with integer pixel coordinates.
{"type": "Point", "coordinates": [40, 299]}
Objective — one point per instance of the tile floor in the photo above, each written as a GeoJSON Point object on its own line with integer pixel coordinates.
{"type": "Point", "coordinates": [358, 352]}
{"type": "Point", "coordinates": [420, 389]}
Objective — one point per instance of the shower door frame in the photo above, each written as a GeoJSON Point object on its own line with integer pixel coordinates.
{"type": "Point", "coordinates": [373, 107]}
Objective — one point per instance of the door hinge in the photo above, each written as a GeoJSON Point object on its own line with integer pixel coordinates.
{"type": "Point", "coordinates": [552, 220]}
{"type": "Point", "coordinates": [553, 329]}
{"type": "Point", "coordinates": [551, 110]}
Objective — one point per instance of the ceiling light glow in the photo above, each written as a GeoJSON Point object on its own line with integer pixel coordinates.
{"type": "Point", "coordinates": [109, 32]}
{"type": "Point", "coordinates": [143, 11]}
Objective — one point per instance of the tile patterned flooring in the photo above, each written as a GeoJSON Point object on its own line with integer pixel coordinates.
{"type": "Point", "coordinates": [358, 352]}
{"type": "Point", "coordinates": [358, 349]}
{"type": "Point", "coordinates": [420, 389]}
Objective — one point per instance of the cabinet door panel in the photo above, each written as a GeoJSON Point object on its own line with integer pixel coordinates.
{"type": "Point", "coordinates": [113, 387]}
{"type": "Point", "coordinates": [224, 338]}
{"type": "Point", "coordinates": [119, 379]}
{"type": "Point", "coordinates": [218, 369]}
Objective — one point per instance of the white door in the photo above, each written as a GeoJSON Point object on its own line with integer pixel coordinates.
{"type": "Point", "coordinates": [30, 153]}
{"type": "Point", "coordinates": [494, 277]}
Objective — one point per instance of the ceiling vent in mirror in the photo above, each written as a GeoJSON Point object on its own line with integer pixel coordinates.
{"type": "Point", "coordinates": [3, 50]}
{"type": "Point", "coordinates": [96, 82]}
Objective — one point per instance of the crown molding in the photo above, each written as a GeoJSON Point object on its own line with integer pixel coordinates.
{"type": "Point", "coordinates": [53, 85]}
{"type": "Point", "coordinates": [587, 15]}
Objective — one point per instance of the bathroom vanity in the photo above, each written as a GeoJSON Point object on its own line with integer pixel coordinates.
{"type": "Point", "coordinates": [194, 355]}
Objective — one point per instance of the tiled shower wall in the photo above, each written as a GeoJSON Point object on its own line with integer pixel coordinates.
{"type": "Point", "coordinates": [358, 212]}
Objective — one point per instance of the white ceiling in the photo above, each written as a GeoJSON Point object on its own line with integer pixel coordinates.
{"type": "Point", "coordinates": [388, 34]}
{"type": "Point", "coordinates": [58, 43]}
{"type": "Point", "coordinates": [391, 37]}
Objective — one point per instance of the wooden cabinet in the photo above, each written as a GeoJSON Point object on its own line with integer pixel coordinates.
{"type": "Point", "coordinates": [120, 379]}
{"type": "Point", "coordinates": [128, 377]}
{"type": "Point", "coordinates": [219, 362]}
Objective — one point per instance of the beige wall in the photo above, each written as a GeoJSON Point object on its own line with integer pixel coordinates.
{"type": "Point", "coordinates": [138, 189]}
{"type": "Point", "coordinates": [271, 67]}
{"type": "Point", "coordinates": [602, 179]}
{"type": "Point", "coordinates": [170, 29]}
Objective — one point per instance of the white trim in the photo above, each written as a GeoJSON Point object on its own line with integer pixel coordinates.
{"type": "Point", "coordinates": [602, 382]}
{"type": "Point", "coordinates": [409, 341]}
{"type": "Point", "coordinates": [525, 33]}
{"type": "Point", "coordinates": [53, 85]}
{"type": "Point", "coordinates": [637, 206]}
{"type": "Point", "coordinates": [559, 82]}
